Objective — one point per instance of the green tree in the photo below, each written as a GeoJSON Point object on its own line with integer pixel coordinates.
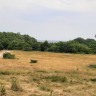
{"type": "Point", "coordinates": [44, 46]}
{"type": "Point", "coordinates": [93, 48]}
{"type": "Point", "coordinates": [1, 46]}
{"type": "Point", "coordinates": [53, 48]}
{"type": "Point", "coordinates": [80, 48]}
{"type": "Point", "coordinates": [5, 43]}
{"type": "Point", "coordinates": [80, 40]}
{"type": "Point", "coordinates": [13, 45]}
{"type": "Point", "coordinates": [27, 47]}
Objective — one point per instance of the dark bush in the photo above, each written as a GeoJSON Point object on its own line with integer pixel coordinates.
{"type": "Point", "coordinates": [94, 80]}
{"type": "Point", "coordinates": [8, 55]}
{"type": "Point", "coordinates": [92, 66]}
{"type": "Point", "coordinates": [33, 61]}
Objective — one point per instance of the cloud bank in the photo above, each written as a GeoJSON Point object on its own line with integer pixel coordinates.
{"type": "Point", "coordinates": [49, 19]}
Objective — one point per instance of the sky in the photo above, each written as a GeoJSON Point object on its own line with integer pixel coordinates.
{"type": "Point", "coordinates": [49, 19]}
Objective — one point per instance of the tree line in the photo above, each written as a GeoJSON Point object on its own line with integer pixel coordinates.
{"type": "Point", "coordinates": [16, 41]}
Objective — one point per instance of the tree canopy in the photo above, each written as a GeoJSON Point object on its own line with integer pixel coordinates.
{"type": "Point", "coordinates": [16, 41]}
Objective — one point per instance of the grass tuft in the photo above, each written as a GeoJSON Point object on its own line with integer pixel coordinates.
{"type": "Point", "coordinates": [4, 72]}
{"type": "Point", "coordinates": [15, 85]}
{"type": "Point", "coordinates": [42, 71]}
{"type": "Point", "coordinates": [45, 88]}
{"type": "Point", "coordinates": [2, 90]}
{"type": "Point", "coordinates": [56, 78]}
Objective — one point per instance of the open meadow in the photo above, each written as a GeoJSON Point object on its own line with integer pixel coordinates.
{"type": "Point", "coordinates": [55, 74]}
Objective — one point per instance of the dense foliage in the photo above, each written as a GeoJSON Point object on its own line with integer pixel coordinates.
{"type": "Point", "coordinates": [16, 41]}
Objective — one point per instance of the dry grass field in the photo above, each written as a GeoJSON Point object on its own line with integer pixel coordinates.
{"type": "Point", "coordinates": [55, 74]}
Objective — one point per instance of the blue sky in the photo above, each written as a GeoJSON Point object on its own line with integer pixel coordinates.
{"type": "Point", "coordinates": [49, 19]}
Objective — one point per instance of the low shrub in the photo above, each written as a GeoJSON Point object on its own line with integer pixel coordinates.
{"type": "Point", "coordinates": [92, 66]}
{"type": "Point", "coordinates": [8, 55]}
{"type": "Point", "coordinates": [94, 80]}
{"type": "Point", "coordinates": [33, 61]}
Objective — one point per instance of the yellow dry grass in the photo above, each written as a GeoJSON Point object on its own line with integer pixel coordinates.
{"type": "Point", "coordinates": [48, 61]}
{"type": "Point", "coordinates": [73, 66]}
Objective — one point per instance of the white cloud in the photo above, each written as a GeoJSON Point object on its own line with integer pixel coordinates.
{"type": "Point", "coordinates": [68, 5]}
{"type": "Point", "coordinates": [66, 19]}
{"type": "Point", "coordinates": [62, 5]}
